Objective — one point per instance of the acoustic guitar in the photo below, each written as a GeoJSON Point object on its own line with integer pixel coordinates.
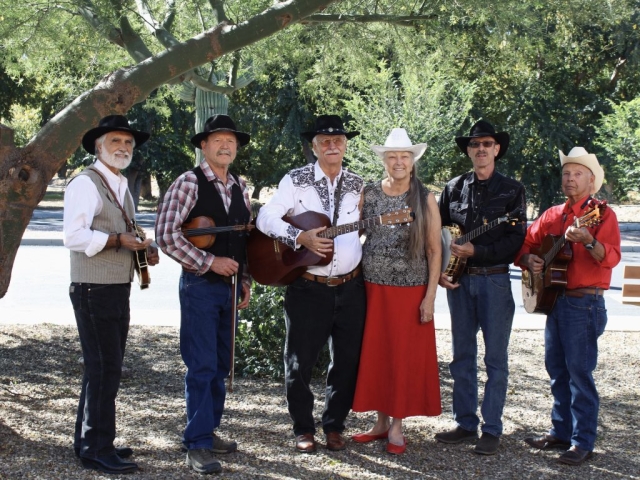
{"type": "Point", "coordinates": [273, 263]}
{"type": "Point", "coordinates": [453, 266]}
{"type": "Point", "coordinates": [540, 292]}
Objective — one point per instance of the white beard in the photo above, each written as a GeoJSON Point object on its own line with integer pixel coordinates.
{"type": "Point", "coordinates": [119, 162]}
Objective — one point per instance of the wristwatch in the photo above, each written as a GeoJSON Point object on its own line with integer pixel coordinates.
{"type": "Point", "coordinates": [591, 246]}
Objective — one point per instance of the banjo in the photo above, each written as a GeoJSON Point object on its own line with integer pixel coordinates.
{"type": "Point", "coordinates": [453, 266]}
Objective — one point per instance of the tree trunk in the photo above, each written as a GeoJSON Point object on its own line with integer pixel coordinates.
{"type": "Point", "coordinates": [26, 172]}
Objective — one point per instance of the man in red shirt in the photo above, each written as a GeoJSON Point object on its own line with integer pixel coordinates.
{"type": "Point", "coordinates": [579, 316]}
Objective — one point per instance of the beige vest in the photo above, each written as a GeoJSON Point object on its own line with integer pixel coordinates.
{"type": "Point", "coordinates": [107, 266]}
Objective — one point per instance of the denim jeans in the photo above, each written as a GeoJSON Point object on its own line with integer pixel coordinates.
{"type": "Point", "coordinates": [315, 313]}
{"type": "Point", "coordinates": [102, 317]}
{"type": "Point", "coordinates": [480, 302]}
{"type": "Point", "coordinates": [571, 354]}
{"type": "Point", "coordinates": [205, 345]}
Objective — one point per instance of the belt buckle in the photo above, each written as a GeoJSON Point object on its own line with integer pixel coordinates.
{"type": "Point", "coordinates": [330, 280]}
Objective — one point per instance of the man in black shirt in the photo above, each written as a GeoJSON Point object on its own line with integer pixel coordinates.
{"type": "Point", "coordinates": [482, 298]}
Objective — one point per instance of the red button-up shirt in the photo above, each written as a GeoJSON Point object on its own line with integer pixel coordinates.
{"type": "Point", "coordinates": [583, 270]}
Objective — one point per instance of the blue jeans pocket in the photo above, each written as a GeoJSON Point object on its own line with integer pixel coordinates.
{"type": "Point", "coordinates": [501, 281]}
{"type": "Point", "coordinates": [601, 320]}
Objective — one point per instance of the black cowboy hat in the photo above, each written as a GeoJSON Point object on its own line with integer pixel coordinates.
{"type": "Point", "coordinates": [220, 123]}
{"type": "Point", "coordinates": [111, 123]}
{"type": "Point", "coordinates": [328, 125]}
{"type": "Point", "coordinates": [483, 128]}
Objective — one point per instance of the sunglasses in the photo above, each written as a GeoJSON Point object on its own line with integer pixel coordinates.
{"type": "Point", "coordinates": [485, 144]}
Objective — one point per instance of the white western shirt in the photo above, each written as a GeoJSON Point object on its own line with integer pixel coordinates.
{"type": "Point", "coordinates": [308, 188]}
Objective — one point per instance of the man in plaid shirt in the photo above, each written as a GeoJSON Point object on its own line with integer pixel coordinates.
{"type": "Point", "coordinates": [209, 190]}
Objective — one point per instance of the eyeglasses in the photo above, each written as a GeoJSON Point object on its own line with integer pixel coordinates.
{"type": "Point", "coordinates": [337, 140]}
{"type": "Point", "coordinates": [485, 144]}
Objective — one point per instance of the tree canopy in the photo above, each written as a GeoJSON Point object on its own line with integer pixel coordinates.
{"type": "Point", "coordinates": [554, 74]}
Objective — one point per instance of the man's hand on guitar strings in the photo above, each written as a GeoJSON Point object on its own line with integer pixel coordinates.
{"type": "Point", "coordinates": [533, 262]}
{"type": "Point", "coordinates": [129, 241]}
{"type": "Point", "coordinates": [318, 245]}
{"type": "Point", "coordinates": [462, 251]}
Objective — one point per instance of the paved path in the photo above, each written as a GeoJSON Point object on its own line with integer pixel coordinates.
{"type": "Point", "coordinates": [40, 278]}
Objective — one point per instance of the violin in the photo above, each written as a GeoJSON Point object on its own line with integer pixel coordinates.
{"type": "Point", "coordinates": [201, 231]}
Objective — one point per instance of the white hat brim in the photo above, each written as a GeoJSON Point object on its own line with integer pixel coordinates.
{"type": "Point", "coordinates": [418, 150]}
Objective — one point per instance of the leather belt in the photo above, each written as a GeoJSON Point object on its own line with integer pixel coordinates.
{"type": "Point", "coordinates": [581, 292]}
{"type": "Point", "coordinates": [333, 281]}
{"type": "Point", "coordinates": [486, 270]}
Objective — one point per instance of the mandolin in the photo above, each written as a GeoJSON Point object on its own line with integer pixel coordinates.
{"type": "Point", "coordinates": [140, 262]}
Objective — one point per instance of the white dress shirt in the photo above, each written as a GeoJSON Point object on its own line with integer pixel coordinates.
{"type": "Point", "coordinates": [308, 188]}
{"type": "Point", "coordinates": [82, 202]}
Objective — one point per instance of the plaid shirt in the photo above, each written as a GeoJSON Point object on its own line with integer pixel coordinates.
{"type": "Point", "coordinates": [174, 210]}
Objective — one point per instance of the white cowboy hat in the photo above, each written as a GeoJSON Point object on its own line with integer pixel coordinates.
{"type": "Point", "coordinates": [398, 141]}
{"type": "Point", "coordinates": [579, 155]}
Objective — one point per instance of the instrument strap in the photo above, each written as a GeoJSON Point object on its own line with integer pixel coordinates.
{"type": "Point", "coordinates": [337, 198]}
{"type": "Point", "coordinates": [128, 221]}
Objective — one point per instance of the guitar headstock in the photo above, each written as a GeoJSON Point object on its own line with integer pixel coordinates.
{"type": "Point", "coordinates": [593, 216]}
{"type": "Point", "coordinates": [517, 216]}
{"type": "Point", "coordinates": [395, 218]}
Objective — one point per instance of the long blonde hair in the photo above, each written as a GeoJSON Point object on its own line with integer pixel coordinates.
{"type": "Point", "coordinates": [417, 200]}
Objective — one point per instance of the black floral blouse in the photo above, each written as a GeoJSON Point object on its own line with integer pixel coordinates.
{"type": "Point", "coordinates": [385, 253]}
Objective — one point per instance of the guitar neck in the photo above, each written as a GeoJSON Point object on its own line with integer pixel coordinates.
{"type": "Point", "coordinates": [478, 231]}
{"type": "Point", "coordinates": [551, 254]}
{"type": "Point", "coordinates": [333, 232]}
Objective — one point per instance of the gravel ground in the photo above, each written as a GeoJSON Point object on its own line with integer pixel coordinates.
{"type": "Point", "coordinates": [40, 378]}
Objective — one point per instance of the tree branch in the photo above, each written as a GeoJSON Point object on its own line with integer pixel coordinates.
{"type": "Point", "coordinates": [218, 8]}
{"type": "Point", "coordinates": [402, 20]}
{"type": "Point", "coordinates": [25, 172]}
{"type": "Point", "coordinates": [155, 28]}
{"type": "Point", "coordinates": [101, 25]}
{"type": "Point", "coordinates": [170, 16]}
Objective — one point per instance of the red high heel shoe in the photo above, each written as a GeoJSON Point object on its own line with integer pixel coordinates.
{"type": "Point", "coordinates": [367, 437]}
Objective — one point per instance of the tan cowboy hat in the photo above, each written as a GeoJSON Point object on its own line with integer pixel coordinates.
{"type": "Point", "coordinates": [579, 155]}
{"type": "Point", "coordinates": [398, 141]}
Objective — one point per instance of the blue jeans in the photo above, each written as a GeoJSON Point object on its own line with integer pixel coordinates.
{"type": "Point", "coordinates": [205, 346]}
{"type": "Point", "coordinates": [571, 354]}
{"type": "Point", "coordinates": [102, 317]}
{"type": "Point", "coordinates": [481, 302]}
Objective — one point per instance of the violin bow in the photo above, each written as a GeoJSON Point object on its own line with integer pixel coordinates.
{"type": "Point", "coordinates": [234, 317]}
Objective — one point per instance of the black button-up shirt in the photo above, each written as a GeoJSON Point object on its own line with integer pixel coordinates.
{"type": "Point", "coordinates": [469, 203]}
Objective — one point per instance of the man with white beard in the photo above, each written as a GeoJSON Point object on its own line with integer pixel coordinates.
{"type": "Point", "coordinates": [98, 229]}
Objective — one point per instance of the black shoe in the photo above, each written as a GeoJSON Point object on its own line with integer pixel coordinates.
{"type": "Point", "coordinates": [201, 460]}
{"type": "Point", "coordinates": [575, 456]}
{"type": "Point", "coordinates": [487, 445]}
{"type": "Point", "coordinates": [546, 441]}
{"type": "Point", "coordinates": [109, 464]}
{"type": "Point", "coordinates": [456, 435]}
{"type": "Point", "coordinates": [122, 452]}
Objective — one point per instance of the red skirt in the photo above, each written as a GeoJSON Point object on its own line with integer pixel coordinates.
{"type": "Point", "coordinates": [398, 373]}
